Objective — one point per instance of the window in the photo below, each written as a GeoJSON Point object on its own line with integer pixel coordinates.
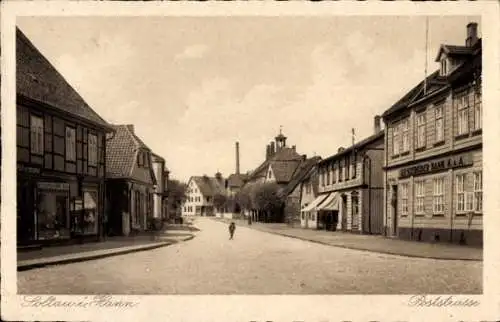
{"type": "Point", "coordinates": [439, 120]}
{"type": "Point", "coordinates": [438, 196]}
{"type": "Point", "coordinates": [404, 198]}
{"type": "Point", "coordinates": [322, 177]}
{"type": "Point", "coordinates": [462, 103]}
{"type": "Point", "coordinates": [36, 135]}
{"type": "Point", "coordinates": [70, 144]}
{"type": "Point", "coordinates": [478, 191]}
{"type": "Point", "coordinates": [419, 197]}
{"type": "Point", "coordinates": [53, 214]}
{"type": "Point", "coordinates": [478, 118]}
{"type": "Point", "coordinates": [92, 155]}
{"type": "Point", "coordinates": [421, 139]}
{"type": "Point", "coordinates": [444, 69]}
{"type": "Point", "coordinates": [341, 171]}
{"type": "Point", "coordinates": [405, 139]}
{"type": "Point", "coordinates": [90, 222]}
{"type": "Point", "coordinates": [354, 174]}
{"type": "Point", "coordinates": [347, 166]}
{"type": "Point", "coordinates": [460, 192]}
{"type": "Point", "coordinates": [335, 173]}
{"type": "Point", "coordinates": [328, 175]}
{"type": "Point", "coordinates": [355, 205]}
{"type": "Point", "coordinates": [395, 140]}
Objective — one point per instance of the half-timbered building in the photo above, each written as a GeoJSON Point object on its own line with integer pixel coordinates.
{"type": "Point", "coordinates": [60, 155]}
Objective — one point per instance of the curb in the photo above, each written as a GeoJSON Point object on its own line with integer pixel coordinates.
{"type": "Point", "coordinates": [42, 263]}
{"type": "Point", "coordinates": [363, 249]}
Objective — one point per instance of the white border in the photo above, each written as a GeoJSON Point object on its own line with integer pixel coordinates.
{"type": "Point", "coordinates": [257, 308]}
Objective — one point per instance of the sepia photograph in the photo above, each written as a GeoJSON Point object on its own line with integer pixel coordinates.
{"type": "Point", "coordinates": [248, 155]}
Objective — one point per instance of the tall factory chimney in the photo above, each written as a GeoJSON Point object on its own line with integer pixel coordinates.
{"type": "Point", "coordinates": [237, 158]}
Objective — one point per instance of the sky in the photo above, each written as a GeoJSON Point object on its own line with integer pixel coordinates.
{"type": "Point", "coordinates": [193, 86]}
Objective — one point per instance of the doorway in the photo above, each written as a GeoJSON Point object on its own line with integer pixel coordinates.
{"type": "Point", "coordinates": [343, 224]}
{"type": "Point", "coordinates": [394, 205]}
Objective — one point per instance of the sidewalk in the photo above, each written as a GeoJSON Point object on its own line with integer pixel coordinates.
{"type": "Point", "coordinates": [111, 246]}
{"type": "Point", "coordinates": [372, 243]}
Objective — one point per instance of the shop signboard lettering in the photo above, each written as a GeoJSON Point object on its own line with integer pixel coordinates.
{"type": "Point", "coordinates": [442, 164]}
{"type": "Point", "coordinates": [53, 186]}
{"type": "Point", "coordinates": [25, 169]}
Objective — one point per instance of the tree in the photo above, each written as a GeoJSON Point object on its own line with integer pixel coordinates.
{"type": "Point", "coordinates": [176, 193]}
{"type": "Point", "coordinates": [269, 199]}
{"type": "Point", "coordinates": [220, 201]}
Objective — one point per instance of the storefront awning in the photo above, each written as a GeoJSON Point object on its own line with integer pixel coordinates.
{"type": "Point", "coordinates": [331, 203]}
{"type": "Point", "coordinates": [315, 202]}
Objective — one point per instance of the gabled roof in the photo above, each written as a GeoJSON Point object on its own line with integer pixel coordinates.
{"type": "Point", "coordinates": [236, 180]}
{"type": "Point", "coordinates": [285, 154]}
{"type": "Point", "coordinates": [434, 83]}
{"type": "Point", "coordinates": [357, 146]}
{"type": "Point", "coordinates": [453, 50]}
{"type": "Point", "coordinates": [284, 170]}
{"type": "Point", "coordinates": [121, 154]}
{"type": "Point", "coordinates": [209, 186]}
{"type": "Point", "coordinates": [39, 81]}
{"type": "Point", "coordinates": [302, 172]}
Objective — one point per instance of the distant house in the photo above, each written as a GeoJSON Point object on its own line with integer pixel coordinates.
{"type": "Point", "coordinates": [200, 194]}
{"type": "Point", "coordinates": [161, 174]}
{"type": "Point", "coordinates": [130, 182]}
{"type": "Point", "coordinates": [60, 155]}
{"type": "Point", "coordinates": [293, 191]}
{"type": "Point", "coordinates": [308, 192]}
{"type": "Point", "coordinates": [351, 190]}
{"type": "Point", "coordinates": [281, 166]}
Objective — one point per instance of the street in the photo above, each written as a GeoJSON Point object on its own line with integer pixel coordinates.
{"type": "Point", "coordinates": [253, 263]}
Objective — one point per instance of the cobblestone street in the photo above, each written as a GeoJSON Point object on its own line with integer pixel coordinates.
{"type": "Point", "coordinates": [254, 262]}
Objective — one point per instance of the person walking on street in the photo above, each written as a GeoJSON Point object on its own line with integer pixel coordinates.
{"type": "Point", "coordinates": [232, 227]}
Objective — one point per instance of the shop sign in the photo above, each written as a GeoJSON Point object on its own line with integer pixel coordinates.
{"type": "Point", "coordinates": [52, 185]}
{"type": "Point", "coordinates": [452, 162]}
{"type": "Point", "coordinates": [26, 169]}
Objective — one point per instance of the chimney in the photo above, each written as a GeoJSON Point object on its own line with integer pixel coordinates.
{"type": "Point", "coordinates": [268, 152]}
{"type": "Point", "coordinates": [294, 148]}
{"type": "Point", "coordinates": [341, 149]}
{"type": "Point", "coordinates": [130, 127]}
{"type": "Point", "coordinates": [273, 149]}
{"type": "Point", "coordinates": [304, 157]}
{"type": "Point", "coordinates": [237, 158]}
{"type": "Point", "coordinates": [376, 123]}
{"type": "Point", "coordinates": [471, 39]}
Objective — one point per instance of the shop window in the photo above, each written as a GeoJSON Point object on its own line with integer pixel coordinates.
{"type": "Point", "coordinates": [36, 135]}
{"type": "Point", "coordinates": [92, 153]}
{"type": "Point", "coordinates": [421, 139]}
{"type": "Point", "coordinates": [419, 197]}
{"type": "Point", "coordinates": [460, 193]}
{"type": "Point", "coordinates": [53, 214]}
{"type": "Point", "coordinates": [439, 124]}
{"type": "Point", "coordinates": [462, 104]}
{"type": "Point", "coordinates": [404, 198]}
{"type": "Point", "coordinates": [478, 192]}
{"type": "Point", "coordinates": [438, 196]}
{"type": "Point", "coordinates": [478, 118]}
{"type": "Point", "coordinates": [90, 212]}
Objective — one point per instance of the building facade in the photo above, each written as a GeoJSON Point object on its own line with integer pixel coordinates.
{"type": "Point", "coordinates": [161, 174]}
{"type": "Point", "coordinates": [200, 194]}
{"type": "Point", "coordinates": [130, 182]}
{"type": "Point", "coordinates": [433, 178]}
{"type": "Point", "coordinates": [61, 149]}
{"type": "Point", "coordinates": [351, 188]}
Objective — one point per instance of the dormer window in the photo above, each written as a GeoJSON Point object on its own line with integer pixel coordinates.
{"type": "Point", "coordinates": [444, 67]}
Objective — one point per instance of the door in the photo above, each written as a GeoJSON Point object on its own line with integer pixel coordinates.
{"type": "Point", "coordinates": [343, 224]}
{"type": "Point", "coordinates": [394, 205]}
